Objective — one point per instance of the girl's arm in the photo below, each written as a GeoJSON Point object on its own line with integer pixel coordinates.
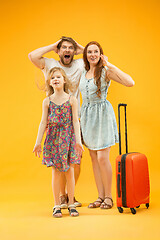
{"type": "Point", "coordinates": [116, 74]}
{"type": "Point", "coordinates": [42, 127]}
{"type": "Point", "coordinates": [76, 125]}
{"type": "Point", "coordinates": [36, 56]}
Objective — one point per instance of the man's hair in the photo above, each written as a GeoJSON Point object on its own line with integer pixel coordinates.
{"type": "Point", "coordinates": [68, 39]}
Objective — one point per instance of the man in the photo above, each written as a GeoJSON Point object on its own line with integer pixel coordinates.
{"type": "Point", "coordinates": [66, 48]}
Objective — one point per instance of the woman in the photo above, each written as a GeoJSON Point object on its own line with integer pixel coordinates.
{"type": "Point", "coordinates": [98, 123]}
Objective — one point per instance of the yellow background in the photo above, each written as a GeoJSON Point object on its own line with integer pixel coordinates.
{"type": "Point", "coordinates": [129, 34]}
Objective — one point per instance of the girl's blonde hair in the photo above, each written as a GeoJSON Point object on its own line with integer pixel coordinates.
{"type": "Point", "coordinates": [67, 85]}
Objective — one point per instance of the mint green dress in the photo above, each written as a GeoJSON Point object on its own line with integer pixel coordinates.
{"type": "Point", "coordinates": [98, 122]}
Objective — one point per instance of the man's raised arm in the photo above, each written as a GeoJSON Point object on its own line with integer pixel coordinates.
{"type": "Point", "coordinates": [36, 56]}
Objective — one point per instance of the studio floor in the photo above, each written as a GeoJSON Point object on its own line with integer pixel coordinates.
{"type": "Point", "coordinates": [28, 215]}
{"type": "Point", "coordinates": [128, 33]}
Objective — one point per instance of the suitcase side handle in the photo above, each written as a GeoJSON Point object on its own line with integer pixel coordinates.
{"type": "Point", "coordinates": [118, 186]}
{"type": "Point", "coordinates": [126, 140]}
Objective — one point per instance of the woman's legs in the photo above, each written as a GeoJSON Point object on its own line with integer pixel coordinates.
{"type": "Point", "coordinates": [106, 172]}
{"type": "Point", "coordinates": [97, 176]}
{"type": "Point", "coordinates": [56, 188]}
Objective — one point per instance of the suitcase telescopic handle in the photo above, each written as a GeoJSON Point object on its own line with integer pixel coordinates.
{"type": "Point", "coordinates": [122, 105]}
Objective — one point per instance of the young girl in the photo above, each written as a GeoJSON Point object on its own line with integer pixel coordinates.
{"type": "Point", "coordinates": [62, 146]}
{"type": "Point", "coordinates": [98, 123]}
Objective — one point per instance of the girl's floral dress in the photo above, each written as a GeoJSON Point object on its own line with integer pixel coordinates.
{"type": "Point", "coordinates": [59, 145]}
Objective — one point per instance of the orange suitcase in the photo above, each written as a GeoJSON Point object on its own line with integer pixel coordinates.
{"type": "Point", "coordinates": [132, 176]}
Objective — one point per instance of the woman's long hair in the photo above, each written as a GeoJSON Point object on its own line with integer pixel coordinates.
{"type": "Point", "coordinates": [98, 68]}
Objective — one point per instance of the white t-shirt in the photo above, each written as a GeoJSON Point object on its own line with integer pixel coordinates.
{"type": "Point", "coordinates": [73, 72]}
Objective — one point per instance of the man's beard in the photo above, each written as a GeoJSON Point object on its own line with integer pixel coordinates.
{"type": "Point", "coordinates": [63, 61]}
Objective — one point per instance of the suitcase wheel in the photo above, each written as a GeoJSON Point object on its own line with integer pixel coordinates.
{"type": "Point", "coordinates": [147, 205]}
{"type": "Point", "coordinates": [120, 209]}
{"type": "Point", "coordinates": [133, 210]}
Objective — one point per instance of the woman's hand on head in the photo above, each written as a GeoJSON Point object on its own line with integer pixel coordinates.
{"type": "Point", "coordinates": [37, 150]}
{"type": "Point", "coordinates": [104, 60]}
{"type": "Point", "coordinates": [79, 149]}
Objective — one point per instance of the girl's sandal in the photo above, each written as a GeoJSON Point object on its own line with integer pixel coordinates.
{"type": "Point", "coordinates": [105, 205]}
{"type": "Point", "coordinates": [57, 212]}
{"type": "Point", "coordinates": [96, 204]}
{"type": "Point", "coordinates": [72, 210]}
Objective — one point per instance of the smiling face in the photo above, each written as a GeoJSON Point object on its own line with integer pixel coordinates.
{"type": "Point", "coordinates": [93, 54]}
{"type": "Point", "coordinates": [66, 53]}
{"type": "Point", "coordinates": [57, 80]}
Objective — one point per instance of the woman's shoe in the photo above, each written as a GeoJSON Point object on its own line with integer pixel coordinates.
{"type": "Point", "coordinates": [72, 211]}
{"type": "Point", "coordinates": [57, 211]}
{"type": "Point", "coordinates": [96, 204]}
{"type": "Point", "coordinates": [106, 205]}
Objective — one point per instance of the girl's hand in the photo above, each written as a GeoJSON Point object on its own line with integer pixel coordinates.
{"type": "Point", "coordinates": [37, 150]}
{"type": "Point", "coordinates": [79, 149]}
{"type": "Point", "coordinates": [104, 60]}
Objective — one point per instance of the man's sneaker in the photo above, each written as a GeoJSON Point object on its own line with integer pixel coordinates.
{"type": "Point", "coordinates": [76, 203]}
{"type": "Point", "coordinates": [63, 201]}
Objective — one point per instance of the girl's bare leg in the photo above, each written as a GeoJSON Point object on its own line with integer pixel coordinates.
{"type": "Point", "coordinates": [63, 179]}
{"type": "Point", "coordinates": [56, 187]}
{"type": "Point", "coordinates": [77, 170]}
{"type": "Point", "coordinates": [71, 186]}
{"type": "Point", "coordinates": [63, 183]}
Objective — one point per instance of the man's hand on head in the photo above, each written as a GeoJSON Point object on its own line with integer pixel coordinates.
{"type": "Point", "coordinates": [55, 49]}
